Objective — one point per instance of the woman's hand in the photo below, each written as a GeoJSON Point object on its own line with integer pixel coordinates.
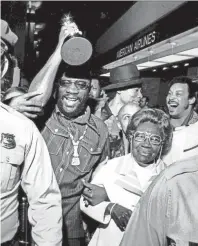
{"type": "Point", "coordinates": [94, 194]}
{"type": "Point", "coordinates": [121, 216]}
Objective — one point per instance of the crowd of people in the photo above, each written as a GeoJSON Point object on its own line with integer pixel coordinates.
{"type": "Point", "coordinates": [99, 166]}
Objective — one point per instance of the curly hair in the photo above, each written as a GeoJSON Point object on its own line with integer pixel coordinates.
{"type": "Point", "coordinates": [157, 117]}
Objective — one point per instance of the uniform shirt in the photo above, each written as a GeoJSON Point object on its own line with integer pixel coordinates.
{"type": "Point", "coordinates": [167, 214]}
{"type": "Point", "coordinates": [92, 149]}
{"type": "Point", "coordinates": [24, 160]}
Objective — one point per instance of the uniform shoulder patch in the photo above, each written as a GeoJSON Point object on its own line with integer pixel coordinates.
{"type": "Point", "coordinates": [8, 140]}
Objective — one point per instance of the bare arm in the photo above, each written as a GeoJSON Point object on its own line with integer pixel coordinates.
{"type": "Point", "coordinates": [44, 80]}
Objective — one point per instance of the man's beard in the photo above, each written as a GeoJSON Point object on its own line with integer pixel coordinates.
{"type": "Point", "coordinates": [80, 110]}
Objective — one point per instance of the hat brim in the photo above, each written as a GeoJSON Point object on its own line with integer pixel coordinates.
{"type": "Point", "coordinates": [121, 85]}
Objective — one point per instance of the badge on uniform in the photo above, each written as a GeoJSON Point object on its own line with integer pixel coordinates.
{"type": "Point", "coordinates": [8, 140]}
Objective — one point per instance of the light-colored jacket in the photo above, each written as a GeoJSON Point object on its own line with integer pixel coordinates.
{"type": "Point", "coordinates": [184, 145]}
{"type": "Point", "coordinates": [25, 160]}
{"type": "Point", "coordinates": [124, 181]}
{"type": "Point", "coordinates": [167, 214]}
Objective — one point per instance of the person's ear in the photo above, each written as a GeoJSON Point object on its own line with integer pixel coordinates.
{"type": "Point", "coordinates": [55, 94]}
{"type": "Point", "coordinates": [191, 100]}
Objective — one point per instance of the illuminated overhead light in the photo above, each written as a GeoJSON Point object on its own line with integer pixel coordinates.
{"type": "Point", "coordinates": [186, 64]}
{"type": "Point", "coordinates": [36, 32]}
{"type": "Point", "coordinates": [164, 68]}
{"type": "Point", "coordinates": [175, 66]}
{"type": "Point", "coordinates": [151, 64]}
{"type": "Point", "coordinates": [105, 75]}
{"type": "Point", "coordinates": [173, 58]}
{"type": "Point", "coordinates": [141, 67]}
{"type": "Point", "coordinates": [154, 70]}
{"type": "Point", "coordinates": [191, 52]}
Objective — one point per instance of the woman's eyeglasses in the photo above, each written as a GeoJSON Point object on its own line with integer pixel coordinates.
{"type": "Point", "coordinates": [142, 136]}
{"type": "Point", "coordinates": [80, 85]}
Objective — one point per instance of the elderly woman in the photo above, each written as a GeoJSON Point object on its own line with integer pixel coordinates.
{"type": "Point", "coordinates": [115, 190]}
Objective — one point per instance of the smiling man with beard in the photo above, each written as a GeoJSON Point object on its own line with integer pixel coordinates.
{"type": "Point", "coordinates": [181, 101]}
{"type": "Point", "coordinates": [77, 142]}
{"type": "Point", "coordinates": [72, 95]}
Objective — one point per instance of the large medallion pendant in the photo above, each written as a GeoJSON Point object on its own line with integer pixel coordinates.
{"type": "Point", "coordinates": [75, 161]}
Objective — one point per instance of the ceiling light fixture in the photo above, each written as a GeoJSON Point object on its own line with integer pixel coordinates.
{"type": "Point", "coordinates": [191, 52]}
{"type": "Point", "coordinates": [154, 70]}
{"type": "Point", "coordinates": [175, 66]}
{"type": "Point", "coordinates": [151, 64]}
{"type": "Point", "coordinates": [164, 68]}
{"type": "Point", "coordinates": [172, 58]}
{"type": "Point", "coordinates": [105, 75]}
{"type": "Point", "coordinates": [142, 67]}
{"type": "Point", "coordinates": [186, 64]}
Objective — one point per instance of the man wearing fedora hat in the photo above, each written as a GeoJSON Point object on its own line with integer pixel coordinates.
{"type": "Point", "coordinates": [125, 84]}
{"type": "Point", "coordinates": [25, 161]}
{"type": "Point", "coordinates": [125, 80]}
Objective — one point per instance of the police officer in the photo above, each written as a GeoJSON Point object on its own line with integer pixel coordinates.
{"type": "Point", "coordinates": [167, 213]}
{"type": "Point", "coordinates": [25, 161]}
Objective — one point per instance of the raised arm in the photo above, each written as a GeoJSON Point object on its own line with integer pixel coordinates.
{"type": "Point", "coordinates": [44, 80]}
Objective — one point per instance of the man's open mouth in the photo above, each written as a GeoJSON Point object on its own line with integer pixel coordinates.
{"type": "Point", "coordinates": [70, 100]}
{"type": "Point", "coordinates": [173, 104]}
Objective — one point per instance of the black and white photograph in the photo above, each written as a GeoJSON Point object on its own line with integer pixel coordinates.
{"type": "Point", "coordinates": [99, 123]}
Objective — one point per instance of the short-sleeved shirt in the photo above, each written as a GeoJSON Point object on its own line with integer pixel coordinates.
{"type": "Point", "coordinates": [167, 214]}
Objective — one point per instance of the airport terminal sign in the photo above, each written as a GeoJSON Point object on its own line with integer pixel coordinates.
{"type": "Point", "coordinates": [136, 45]}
